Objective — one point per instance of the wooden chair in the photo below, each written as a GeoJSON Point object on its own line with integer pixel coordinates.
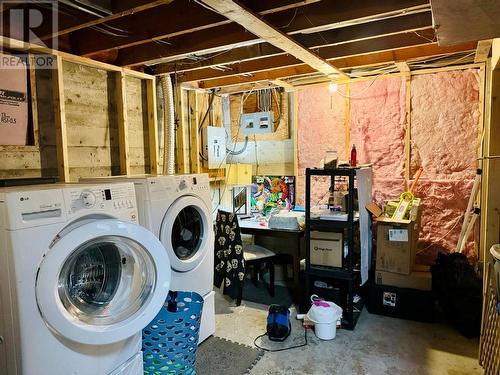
{"type": "Point", "coordinates": [258, 257]}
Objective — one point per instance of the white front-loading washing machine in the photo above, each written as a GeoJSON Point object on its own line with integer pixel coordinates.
{"type": "Point", "coordinates": [178, 209]}
{"type": "Point", "coordinates": [79, 280]}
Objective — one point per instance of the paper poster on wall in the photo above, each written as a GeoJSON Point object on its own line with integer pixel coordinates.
{"type": "Point", "coordinates": [13, 103]}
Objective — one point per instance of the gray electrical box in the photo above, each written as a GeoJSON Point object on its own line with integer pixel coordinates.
{"type": "Point", "coordinates": [257, 123]}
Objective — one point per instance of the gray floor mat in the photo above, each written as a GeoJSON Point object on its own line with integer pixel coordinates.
{"type": "Point", "coordinates": [217, 356]}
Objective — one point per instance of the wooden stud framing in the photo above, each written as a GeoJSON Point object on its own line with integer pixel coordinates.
{"type": "Point", "coordinates": [408, 132]}
{"type": "Point", "coordinates": [347, 122]}
{"type": "Point", "coordinates": [60, 121]}
{"type": "Point", "coordinates": [288, 87]}
{"type": "Point", "coordinates": [295, 96]}
{"type": "Point", "coordinates": [495, 54]}
{"type": "Point", "coordinates": [180, 140]}
{"type": "Point", "coordinates": [193, 123]}
{"type": "Point", "coordinates": [122, 117]}
{"type": "Point", "coordinates": [490, 203]}
{"type": "Point", "coordinates": [152, 126]}
{"type": "Point", "coordinates": [34, 100]}
{"type": "Point", "coordinates": [483, 50]}
{"type": "Point", "coordinates": [35, 49]}
{"type": "Point", "coordinates": [480, 143]}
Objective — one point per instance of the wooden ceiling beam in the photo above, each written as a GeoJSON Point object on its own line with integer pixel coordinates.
{"type": "Point", "coordinates": [310, 17]}
{"type": "Point", "coordinates": [409, 23]}
{"type": "Point", "coordinates": [131, 7]}
{"type": "Point", "coordinates": [190, 17]}
{"type": "Point", "coordinates": [483, 50]}
{"type": "Point", "coordinates": [252, 22]}
{"type": "Point", "coordinates": [376, 58]}
{"type": "Point", "coordinates": [328, 53]}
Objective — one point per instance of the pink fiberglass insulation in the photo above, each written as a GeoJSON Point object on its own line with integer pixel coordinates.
{"type": "Point", "coordinates": [444, 132]}
{"type": "Point", "coordinates": [443, 204]}
{"type": "Point", "coordinates": [321, 128]}
{"type": "Point", "coordinates": [378, 126]}
{"type": "Point", "coordinates": [444, 124]}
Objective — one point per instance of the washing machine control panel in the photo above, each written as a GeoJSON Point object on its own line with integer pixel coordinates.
{"type": "Point", "coordinates": [109, 198]}
{"type": "Point", "coordinates": [192, 183]}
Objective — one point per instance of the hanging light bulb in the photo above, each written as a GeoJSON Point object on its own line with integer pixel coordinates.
{"type": "Point", "coordinates": [332, 87]}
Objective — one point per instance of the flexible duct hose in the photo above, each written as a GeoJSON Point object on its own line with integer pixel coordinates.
{"type": "Point", "coordinates": [168, 126]}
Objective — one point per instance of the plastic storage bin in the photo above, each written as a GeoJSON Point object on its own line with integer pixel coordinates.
{"type": "Point", "coordinates": [170, 341]}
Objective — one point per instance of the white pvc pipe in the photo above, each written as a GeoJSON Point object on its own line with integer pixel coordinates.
{"type": "Point", "coordinates": [467, 232]}
{"type": "Point", "coordinates": [475, 189]}
{"type": "Point", "coordinates": [168, 126]}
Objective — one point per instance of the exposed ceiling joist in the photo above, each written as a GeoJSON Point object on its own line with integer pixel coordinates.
{"type": "Point", "coordinates": [288, 87]}
{"type": "Point", "coordinates": [150, 26]}
{"type": "Point", "coordinates": [323, 15]}
{"type": "Point", "coordinates": [408, 23]}
{"type": "Point", "coordinates": [483, 50]}
{"type": "Point", "coordinates": [495, 54]}
{"type": "Point", "coordinates": [403, 67]}
{"type": "Point", "coordinates": [328, 53]}
{"type": "Point", "coordinates": [133, 7]}
{"type": "Point", "coordinates": [376, 58]}
{"type": "Point", "coordinates": [243, 16]}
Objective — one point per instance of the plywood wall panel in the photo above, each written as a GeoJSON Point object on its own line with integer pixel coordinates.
{"type": "Point", "coordinates": [90, 120]}
{"type": "Point", "coordinates": [282, 130]}
{"type": "Point", "coordinates": [137, 118]}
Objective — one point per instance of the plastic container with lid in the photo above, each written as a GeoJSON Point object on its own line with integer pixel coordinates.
{"type": "Point", "coordinates": [324, 314]}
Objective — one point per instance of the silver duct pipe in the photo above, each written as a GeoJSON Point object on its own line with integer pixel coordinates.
{"type": "Point", "coordinates": [168, 126]}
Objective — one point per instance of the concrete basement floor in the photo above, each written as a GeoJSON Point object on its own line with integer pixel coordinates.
{"type": "Point", "coordinates": [378, 345]}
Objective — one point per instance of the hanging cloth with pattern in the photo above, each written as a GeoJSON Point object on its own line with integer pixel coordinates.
{"type": "Point", "coordinates": [229, 263]}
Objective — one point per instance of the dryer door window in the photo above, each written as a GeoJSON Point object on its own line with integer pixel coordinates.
{"type": "Point", "coordinates": [102, 282]}
{"type": "Point", "coordinates": [187, 233]}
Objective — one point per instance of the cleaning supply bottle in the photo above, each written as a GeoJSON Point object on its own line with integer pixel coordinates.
{"type": "Point", "coordinates": [353, 156]}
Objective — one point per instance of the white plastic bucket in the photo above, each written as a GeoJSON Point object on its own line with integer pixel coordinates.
{"type": "Point", "coordinates": [324, 315]}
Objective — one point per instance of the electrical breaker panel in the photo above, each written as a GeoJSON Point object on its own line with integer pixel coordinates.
{"type": "Point", "coordinates": [257, 123]}
{"type": "Point", "coordinates": [215, 146]}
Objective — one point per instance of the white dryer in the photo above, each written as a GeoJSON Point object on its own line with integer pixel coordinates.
{"type": "Point", "coordinates": [178, 209]}
{"type": "Point", "coordinates": [79, 280]}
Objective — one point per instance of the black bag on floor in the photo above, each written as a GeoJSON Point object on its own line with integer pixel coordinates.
{"type": "Point", "coordinates": [459, 292]}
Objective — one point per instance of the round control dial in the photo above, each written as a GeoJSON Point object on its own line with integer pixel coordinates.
{"type": "Point", "coordinates": [88, 199]}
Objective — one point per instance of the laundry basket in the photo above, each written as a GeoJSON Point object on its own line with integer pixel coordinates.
{"type": "Point", "coordinates": [495, 252]}
{"type": "Point", "coordinates": [170, 341]}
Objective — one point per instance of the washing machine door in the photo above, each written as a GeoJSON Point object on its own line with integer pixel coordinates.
{"type": "Point", "coordinates": [102, 282]}
{"type": "Point", "coordinates": [186, 232]}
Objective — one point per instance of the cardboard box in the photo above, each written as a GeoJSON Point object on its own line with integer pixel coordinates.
{"type": "Point", "coordinates": [415, 280]}
{"type": "Point", "coordinates": [326, 249]}
{"type": "Point", "coordinates": [397, 245]}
